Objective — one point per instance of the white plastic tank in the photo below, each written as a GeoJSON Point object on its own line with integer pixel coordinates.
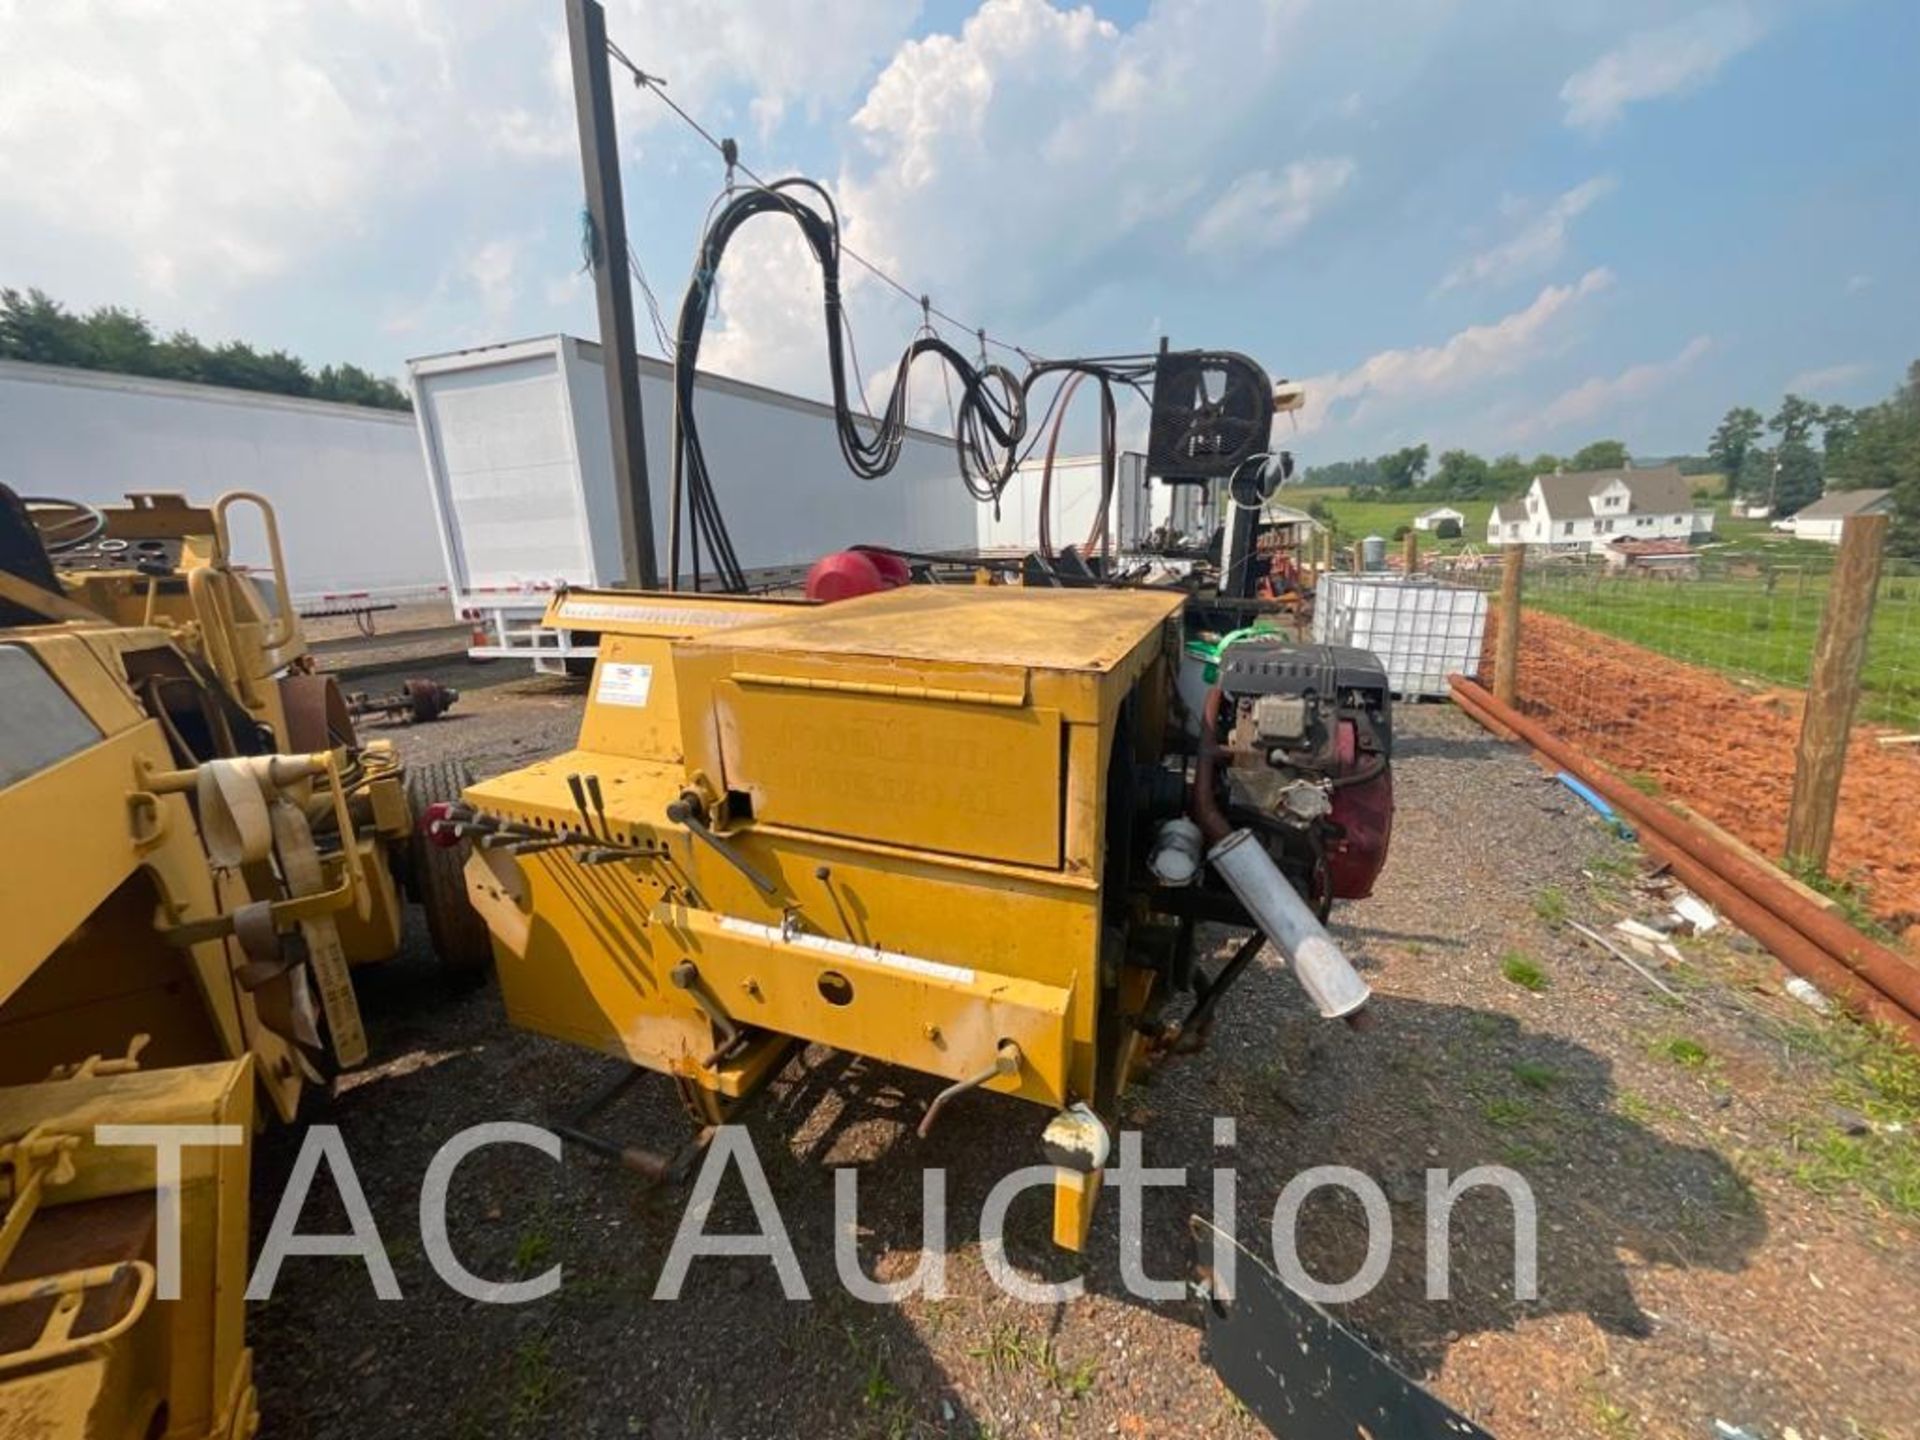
{"type": "Point", "coordinates": [1421, 630]}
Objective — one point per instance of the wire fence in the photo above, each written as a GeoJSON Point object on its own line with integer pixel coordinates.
{"type": "Point", "coordinates": [1687, 675]}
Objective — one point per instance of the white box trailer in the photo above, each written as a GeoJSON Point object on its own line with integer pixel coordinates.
{"type": "Point", "coordinates": [1074, 503]}
{"type": "Point", "coordinates": [519, 459]}
{"type": "Point", "coordinates": [344, 479]}
{"type": "Point", "coordinates": [1140, 506]}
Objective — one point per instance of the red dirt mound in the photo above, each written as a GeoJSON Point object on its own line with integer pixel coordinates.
{"type": "Point", "coordinates": [1726, 750]}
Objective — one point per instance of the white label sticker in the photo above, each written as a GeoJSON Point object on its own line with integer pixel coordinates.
{"type": "Point", "coordinates": [622, 684]}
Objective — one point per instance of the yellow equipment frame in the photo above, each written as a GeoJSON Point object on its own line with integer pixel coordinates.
{"type": "Point", "coordinates": [905, 796]}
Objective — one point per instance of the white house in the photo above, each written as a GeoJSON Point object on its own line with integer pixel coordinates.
{"type": "Point", "coordinates": [1825, 517]}
{"type": "Point", "coordinates": [1430, 519]}
{"type": "Point", "coordinates": [1588, 510]}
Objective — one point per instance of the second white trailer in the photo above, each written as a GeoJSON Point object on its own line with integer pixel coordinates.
{"type": "Point", "coordinates": [519, 459]}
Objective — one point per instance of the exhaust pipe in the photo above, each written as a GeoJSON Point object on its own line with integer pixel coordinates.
{"type": "Point", "coordinates": [1324, 972]}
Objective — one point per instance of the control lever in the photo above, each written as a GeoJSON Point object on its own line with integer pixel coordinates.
{"type": "Point", "coordinates": [688, 811]}
{"type": "Point", "coordinates": [686, 977]}
{"type": "Point", "coordinates": [1006, 1061]}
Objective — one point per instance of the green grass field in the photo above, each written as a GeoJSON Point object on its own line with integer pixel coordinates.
{"type": "Point", "coordinates": [1755, 612]}
{"type": "Point", "coordinates": [1356, 519]}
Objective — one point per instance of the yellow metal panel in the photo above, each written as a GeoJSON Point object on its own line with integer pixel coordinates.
{"type": "Point", "coordinates": [941, 1018]}
{"type": "Point", "coordinates": [66, 842]}
{"type": "Point", "coordinates": [205, 1346]}
{"type": "Point", "coordinates": [1082, 630]}
{"type": "Point", "coordinates": [588, 964]}
{"type": "Point", "coordinates": [934, 775]}
{"type": "Point", "coordinates": [93, 680]}
{"type": "Point", "coordinates": [634, 707]}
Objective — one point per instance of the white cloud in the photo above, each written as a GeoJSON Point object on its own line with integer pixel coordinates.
{"type": "Point", "coordinates": [783, 53]}
{"type": "Point", "coordinates": [1475, 354]}
{"type": "Point", "coordinates": [1057, 136]}
{"type": "Point", "coordinates": [1604, 395]}
{"type": "Point", "coordinates": [490, 270]}
{"type": "Point", "coordinates": [1670, 60]}
{"type": "Point", "coordinates": [1858, 283]}
{"type": "Point", "coordinates": [1004, 164]}
{"type": "Point", "coordinates": [1537, 245]}
{"type": "Point", "coordinates": [1263, 211]}
{"type": "Point", "coordinates": [172, 156]}
{"type": "Point", "coordinates": [766, 324]}
{"type": "Point", "coordinates": [206, 145]}
{"type": "Point", "coordinates": [1825, 381]}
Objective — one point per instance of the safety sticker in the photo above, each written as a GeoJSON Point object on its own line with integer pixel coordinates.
{"type": "Point", "coordinates": [622, 684]}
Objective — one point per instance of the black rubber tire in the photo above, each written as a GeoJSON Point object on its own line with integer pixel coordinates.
{"type": "Point", "coordinates": [459, 935]}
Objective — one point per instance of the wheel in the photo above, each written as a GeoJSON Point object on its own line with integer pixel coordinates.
{"type": "Point", "coordinates": [63, 524]}
{"type": "Point", "coordinates": [580, 667]}
{"type": "Point", "coordinates": [435, 873]}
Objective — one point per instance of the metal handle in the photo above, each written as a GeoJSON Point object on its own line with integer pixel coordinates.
{"type": "Point", "coordinates": [288, 622]}
{"type": "Point", "coordinates": [1006, 1061]}
{"type": "Point", "coordinates": [687, 812]}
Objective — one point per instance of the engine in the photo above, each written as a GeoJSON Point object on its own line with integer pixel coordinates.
{"type": "Point", "coordinates": [1306, 735]}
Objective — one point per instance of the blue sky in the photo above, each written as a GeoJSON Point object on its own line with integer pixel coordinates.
{"type": "Point", "coordinates": [1484, 222]}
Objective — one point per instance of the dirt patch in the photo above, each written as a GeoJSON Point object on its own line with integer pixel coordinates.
{"type": "Point", "coordinates": [1727, 750]}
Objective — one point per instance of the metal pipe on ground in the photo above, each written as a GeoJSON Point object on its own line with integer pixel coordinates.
{"type": "Point", "coordinates": [1787, 945]}
{"type": "Point", "coordinates": [1880, 967]}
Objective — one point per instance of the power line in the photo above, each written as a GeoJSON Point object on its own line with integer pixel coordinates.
{"type": "Point", "coordinates": [728, 151]}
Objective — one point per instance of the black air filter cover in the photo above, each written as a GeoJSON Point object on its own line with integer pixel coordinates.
{"type": "Point", "coordinates": [1212, 411]}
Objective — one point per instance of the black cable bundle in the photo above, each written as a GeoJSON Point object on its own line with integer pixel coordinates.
{"type": "Point", "coordinates": [989, 422]}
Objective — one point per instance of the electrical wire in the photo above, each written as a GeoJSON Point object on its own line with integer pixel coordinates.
{"type": "Point", "coordinates": [989, 419]}
{"type": "Point", "coordinates": [990, 413]}
{"type": "Point", "coordinates": [656, 86]}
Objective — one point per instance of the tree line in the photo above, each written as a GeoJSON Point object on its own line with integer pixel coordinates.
{"type": "Point", "coordinates": [1876, 447]}
{"type": "Point", "coordinates": [1787, 459]}
{"type": "Point", "coordinates": [38, 328]}
{"type": "Point", "coordinates": [1462, 475]}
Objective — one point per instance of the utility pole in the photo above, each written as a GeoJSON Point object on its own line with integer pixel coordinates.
{"type": "Point", "coordinates": [607, 215]}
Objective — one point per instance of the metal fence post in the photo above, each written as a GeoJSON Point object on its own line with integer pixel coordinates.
{"type": "Point", "coordinates": [1833, 689]}
{"type": "Point", "coordinates": [1506, 658]}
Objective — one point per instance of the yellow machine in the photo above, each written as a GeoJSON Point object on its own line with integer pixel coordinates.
{"type": "Point", "coordinates": [917, 826]}
{"type": "Point", "coordinates": [193, 849]}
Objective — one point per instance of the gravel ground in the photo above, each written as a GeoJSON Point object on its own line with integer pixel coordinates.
{"type": "Point", "coordinates": [1688, 1271]}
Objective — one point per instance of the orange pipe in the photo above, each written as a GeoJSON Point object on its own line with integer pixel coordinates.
{"type": "Point", "coordinates": [1880, 967]}
{"type": "Point", "coordinates": [1790, 947]}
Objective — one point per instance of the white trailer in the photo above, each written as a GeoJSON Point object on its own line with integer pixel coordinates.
{"type": "Point", "coordinates": [519, 459]}
{"type": "Point", "coordinates": [1074, 505]}
{"type": "Point", "coordinates": [344, 479]}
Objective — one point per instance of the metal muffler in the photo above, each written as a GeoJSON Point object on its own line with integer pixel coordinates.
{"type": "Point", "coordinates": [1324, 972]}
